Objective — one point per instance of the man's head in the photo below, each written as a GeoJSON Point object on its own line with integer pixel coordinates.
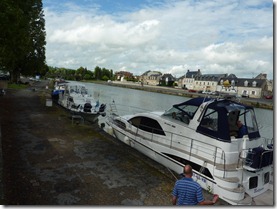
{"type": "Point", "coordinates": [188, 171]}
{"type": "Point", "coordinates": [239, 123]}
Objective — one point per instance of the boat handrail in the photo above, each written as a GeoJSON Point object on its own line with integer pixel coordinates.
{"type": "Point", "coordinates": [268, 141]}
{"type": "Point", "coordinates": [211, 151]}
{"type": "Point", "coordinates": [217, 152]}
{"type": "Point", "coordinates": [264, 155]}
{"type": "Point", "coordinates": [246, 155]}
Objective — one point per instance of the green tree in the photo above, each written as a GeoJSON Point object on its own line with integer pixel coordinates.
{"type": "Point", "coordinates": [87, 77]}
{"type": "Point", "coordinates": [37, 32]}
{"type": "Point", "coordinates": [22, 38]}
{"type": "Point", "coordinates": [105, 78]}
{"type": "Point", "coordinates": [97, 73]}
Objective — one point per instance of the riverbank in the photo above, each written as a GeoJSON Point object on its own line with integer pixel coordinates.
{"type": "Point", "coordinates": [47, 160]}
{"type": "Point", "coordinates": [258, 103]}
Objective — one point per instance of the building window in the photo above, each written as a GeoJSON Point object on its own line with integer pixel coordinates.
{"type": "Point", "coordinates": [254, 84]}
{"type": "Point", "coordinates": [245, 83]}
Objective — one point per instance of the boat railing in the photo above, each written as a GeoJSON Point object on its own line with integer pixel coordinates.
{"type": "Point", "coordinates": [192, 147]}
{"type": "Point", "coordinates": [211, 153]}
{"type": "Point", "coordinates": [259, 158]}
{"type": "Point", "coordinates": [268, 141]}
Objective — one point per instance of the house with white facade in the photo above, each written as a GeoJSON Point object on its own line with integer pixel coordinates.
{"type": "Point", "coordinates": [207, 82]}
{"type": "Point", "coordinates": [186, 81]}
{"type": "Point", "coordinates": [247, 87]}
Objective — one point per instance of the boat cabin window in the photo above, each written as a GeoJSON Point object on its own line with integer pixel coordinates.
{"type": "Point", "coordinates": [249, 120]}
{"type": "Point", "coordinates": [147, 124]}
{"type": "Point", "coordinates": [210, 120]}
{"type": "Point", "coordinates": [120, 124]}
{"type": "Point", "coordinates": [233, 117]}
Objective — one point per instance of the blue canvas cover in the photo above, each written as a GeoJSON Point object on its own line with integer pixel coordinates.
{"type": "Point", "coordinates": [223, 107]}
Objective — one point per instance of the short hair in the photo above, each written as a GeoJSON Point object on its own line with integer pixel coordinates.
{"type": "Point", "coordinates": [187, 170]}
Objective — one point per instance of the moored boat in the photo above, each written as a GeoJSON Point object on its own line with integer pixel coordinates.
{"type": "Point", "coordinates": [76, 99]}
{"type": "Point", "coordinates": [203, 132]}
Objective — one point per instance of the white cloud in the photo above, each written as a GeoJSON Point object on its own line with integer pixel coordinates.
{"type": "Point", "coordinates": [83, 30]}
{"type": "Point", "coordinates": [215, 36]}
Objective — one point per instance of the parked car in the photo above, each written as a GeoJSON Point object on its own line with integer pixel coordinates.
{"type": "Point", "coordinates": [206, 92]}
{"type": "Point", "coordinates": [269, 97]}
{"type": "Point", "coordinates": [245, 95]}
{"type": "Point", "coordinates": [216, 93]}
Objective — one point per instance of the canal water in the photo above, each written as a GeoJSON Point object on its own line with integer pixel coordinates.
{"type": "Point", "coordinates": [129, 100]}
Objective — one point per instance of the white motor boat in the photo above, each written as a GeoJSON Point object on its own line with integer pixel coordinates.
{"type": "Point", "coordinates": [76, 99]}
{"type": "Point", "coordinates": [202, 132]}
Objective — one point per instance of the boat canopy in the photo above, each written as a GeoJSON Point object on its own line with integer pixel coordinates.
{"type": "Point", "coordinates": [219, 120]}
{"type": "Point", "coordinates": [219, 117]}
{"type": "Point", "coordinates": [195, 102]}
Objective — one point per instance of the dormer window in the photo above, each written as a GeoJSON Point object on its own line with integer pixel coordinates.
{"type": "Point", "coordinates": [221, 82]}
{"type": "Point", "coordinates": [254, 84]}
{"type": "Point", "coordinates": [245, 83]}
{"type": "Point", "coordinates": [232, 83]}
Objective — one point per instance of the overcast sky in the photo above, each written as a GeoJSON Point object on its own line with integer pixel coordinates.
{"type": "Point", "coordinates": [170, 36]}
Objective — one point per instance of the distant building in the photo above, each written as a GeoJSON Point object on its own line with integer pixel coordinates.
{"type": "Point", "coordinates": [151, 77]}
{"type": "Point", "coordinates": [186, 81]}
{"type": "Point", "coordinates": [254, 88]}
{"type": "Point", "coordinates": [247, 87]}
{"type": "Point", "coordinates": [123, 75]}
{"type": "Point", "coordinates": [227, 84]}
{"type": "Point", "coordinates": [207, 82]}
{"type": "Point", "coordinates": [167, 80]}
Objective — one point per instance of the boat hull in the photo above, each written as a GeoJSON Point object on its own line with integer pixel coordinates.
{"type": "Point", "coordinates": [160, 155]}
{"type": "Point", "coordinates": [202, 133]}
{"type": "Point", "coordinates": [89, 117]}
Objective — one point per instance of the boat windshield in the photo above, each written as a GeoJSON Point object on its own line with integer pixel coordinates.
{"type": "Point", "coordinates": [183, 112]}
{"type": "Point", "coordinates": [78, 89]}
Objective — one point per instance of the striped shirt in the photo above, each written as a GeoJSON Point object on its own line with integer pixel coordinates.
{"type": "Point", "coordinates": [188, 192]}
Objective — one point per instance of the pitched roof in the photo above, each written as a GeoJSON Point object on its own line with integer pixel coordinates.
{"type": "Point", "coordinates": [169, 76]}
{"type": "Point", "coordinates": [241, 81]}
{"type": "Point", "coordinates": [210, 77]}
